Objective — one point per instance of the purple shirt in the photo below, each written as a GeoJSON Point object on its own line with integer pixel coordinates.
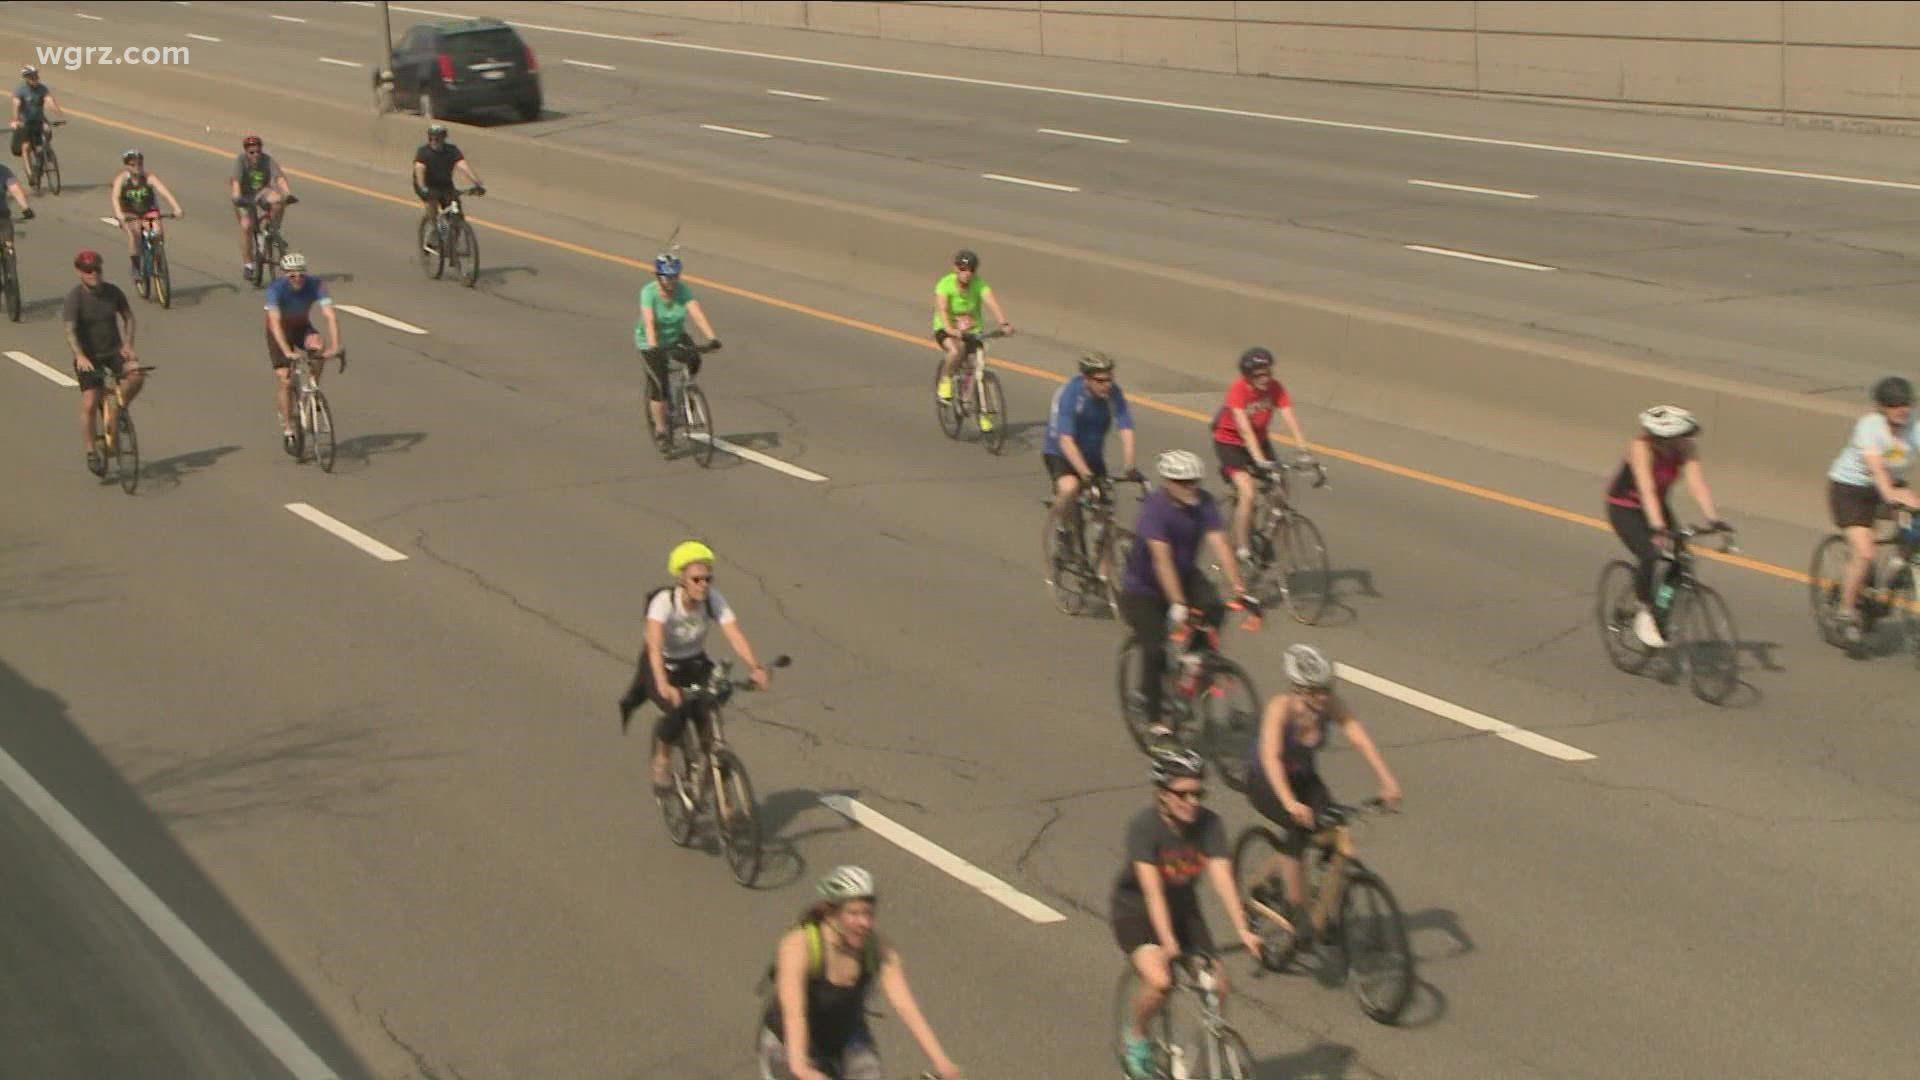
{"type": "Point", "coordinates": [1162, 518]}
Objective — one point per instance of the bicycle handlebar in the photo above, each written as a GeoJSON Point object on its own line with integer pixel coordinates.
{"type": "Point", "coordinates": [1337, 814]}
{"type": "Point", "coordinates": [1686, 533]}
{"type": "Point", "coordinates": [721, 681]}
{"type": "Point", "coordinates": [1274, 469]}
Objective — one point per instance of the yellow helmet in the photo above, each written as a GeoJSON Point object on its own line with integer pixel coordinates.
{"type": "Point", "coordinates": [687, 552]}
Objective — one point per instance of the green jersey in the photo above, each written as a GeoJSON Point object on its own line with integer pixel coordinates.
{"type": "Point", "coordinates": [959, 301]}
{"type": "Point", "coordinates": [669, 314]}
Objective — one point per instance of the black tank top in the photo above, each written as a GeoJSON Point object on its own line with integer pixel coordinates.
{"type": "Point", "coordinates": [835, 1013]}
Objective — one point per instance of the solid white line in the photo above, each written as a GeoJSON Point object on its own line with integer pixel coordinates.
{"type": "Point", "coordinates": [1005, 179]}
{"type": "Point", "coordinates": [52, 375]}
{"type": "Point", "coordinates": [797, 94]}
{"type": "Point", "coordinates": [1447, 710]}
{"type": "Point", "coordinates": [587, 64]}
{"type": "Point", "coordinates": [1515, 263]}
{"type": "Point", "coordinates": [384, 320]}
{"type": "Point", "coordinates": [941, 858]}
{"type": "Point", "coordinates": [1474, 190]}
{"type": "Point", "coordinates": [204, 37]}
{"type": "Point", "coordinates": [1214, 110]}
{"type": "Point", "coordinates": [1082, 135]}
{"type": "Point", "coordinates": [348, 533]}
{"type": "Point", "coordinates": [289, 18]}
{"type": "Point", "coordinates": [228, 987]}
{"type": "Point", "coordinates": [84, 15]}
{"type": "Point", "coordinates": [339, 63]}
{"type": "Point", "coordinates": [737, 131]}
{"type": "Point", "coordinates": [759, 458]}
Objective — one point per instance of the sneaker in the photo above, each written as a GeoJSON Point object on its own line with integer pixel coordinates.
{"type": "Point", "coordinates": [246, 270]}
{"type": "Point", "coordinates": [945, 390]}
{"type": "Point", "coordinates": [1140, 1058]}
{"type": "Point", "coordinates": [288, 442]}
{"type": "Point", "coordinates": [986, 423]}
{"type": "Point", "coordinates": [1647, 630]}
{"type": "Point", "coordinates": [1244, 554]}
{"type": "Point", "coordinates": [96, 463]}
{"type": "Point", "coordinates": [1848, 623]}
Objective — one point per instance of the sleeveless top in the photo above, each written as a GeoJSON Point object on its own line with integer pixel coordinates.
{"type": "Point", "coordinates": [1624, 491]}
{"type": "Point", "coordinates": [836, 1015]}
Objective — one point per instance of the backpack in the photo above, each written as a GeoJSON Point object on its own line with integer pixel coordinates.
{"type": "Point", "coordinates": [664, 588]}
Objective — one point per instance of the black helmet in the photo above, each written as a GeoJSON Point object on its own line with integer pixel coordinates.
{"type": "Point", "coordinates": [1892, 392]}
{"type": "Point", "coordinates": [1254, 359]}
{"type": "Point", "coordinates": [966, 260]}
{"type": "Point", "coordinates": [1096, 363]}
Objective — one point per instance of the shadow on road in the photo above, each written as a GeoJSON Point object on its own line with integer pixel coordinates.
{"type": "Point", "coordinates": [167, 473]}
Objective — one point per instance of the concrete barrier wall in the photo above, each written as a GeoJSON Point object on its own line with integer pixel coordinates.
{"type": "Point", "coordinates": [1489, 389]}
{"type": "Point", "coordinates": [1777, 59]}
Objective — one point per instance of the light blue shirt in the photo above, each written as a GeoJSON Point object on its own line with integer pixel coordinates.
{"type": "Point", "coordinates": [1872, 432]}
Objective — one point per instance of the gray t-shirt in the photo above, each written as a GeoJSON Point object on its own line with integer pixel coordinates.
{"type": "Point", "coordinates": [255, 175]}
{"type": "Point", "coordinates": [1181, 856]}
{"type": "Point", "coordinates": [93, 313]}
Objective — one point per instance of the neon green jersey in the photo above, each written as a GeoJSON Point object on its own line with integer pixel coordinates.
{"type": "Point", "coordinates": [959, 301]}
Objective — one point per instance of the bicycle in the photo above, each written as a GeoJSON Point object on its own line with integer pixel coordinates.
{"type": "Point", "coordinates": [269, 243]}
{"type": "Point", "coordinates": [710, 777]}
{"type": "Point", "coordinates": [115, 441]}
{"type": "Point", "coordinates": [1889, 589]}
{"type": "Point", "coordinates": [1347, 903]}
{"type": "Point", "coordinates": [1208, 703]}
{"type": "Point", "coordinates": [43, 165]}
{"type": "Point", "coordinates": [447, 237]}
{"type": "Point", "coordinates": [1693, 619]}
{"type": "Point", "coordinates": [976, 393]}
{"type": "Point", "coordinates": [1088, 553]}
{"type": "Point", "coordinates": [311, 415]}
{"type": "Point", "coordinates": [1284, 539]}
{"type": "Point", "coordinates": [689, 417]}
{"type": "Point", "coordinates": [1219, 1053]}
{"type": "Point", "coordinates": [152, 278]}
{"type": "Point", "coordinates": [10, 272]}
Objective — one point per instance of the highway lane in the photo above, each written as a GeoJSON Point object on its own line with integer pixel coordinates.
{"type": "Point", "coordinates": [464, 870]}
{"type": "Point", "coordinates": [1788, 282]}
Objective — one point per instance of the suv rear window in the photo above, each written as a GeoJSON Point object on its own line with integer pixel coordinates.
{"type": "Point", "coordinates": [480, 46]}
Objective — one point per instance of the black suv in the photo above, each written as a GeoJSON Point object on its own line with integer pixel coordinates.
{"type": "Point", "coordinates": [453, 68]}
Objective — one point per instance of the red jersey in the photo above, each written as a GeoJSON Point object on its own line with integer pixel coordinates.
{"type": "Point", "coordinates": [1259, 408]}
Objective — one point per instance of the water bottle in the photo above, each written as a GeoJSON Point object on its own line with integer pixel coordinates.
{"type": "Point", "coordinates": [1663, 596]}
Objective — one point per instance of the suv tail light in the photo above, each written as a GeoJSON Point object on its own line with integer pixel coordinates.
{"type": "Point", "coordinates": [532, 65]}
{"type": "Point", "coordinates": [446, 68]}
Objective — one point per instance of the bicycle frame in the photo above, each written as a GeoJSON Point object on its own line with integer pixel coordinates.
{"type": "Point", "coordinates": [1333, 840]}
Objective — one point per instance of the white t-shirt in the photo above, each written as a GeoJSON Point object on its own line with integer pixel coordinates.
{"type": "Point", "coordinates": [686, 635]}
{"type": "Point", "coordinates": [1872, 432]}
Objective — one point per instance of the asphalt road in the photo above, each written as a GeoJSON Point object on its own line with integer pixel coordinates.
{"type": "Point", "coordinates": [394, 797]}
{"type": "Point", "coordinates": [1785, 281]}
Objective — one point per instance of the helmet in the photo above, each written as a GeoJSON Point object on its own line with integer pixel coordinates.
{"type": "Point", "coordinates": [250, 142]}
{"type": "Point", "coordinates": [293, 263]}
{"type": "Point", "coordinates": [1254, 359]}
{"type": "Point", "coordinates": [436, 131]}
{"type": "Point", "coordinates": [1893, 392]}
{"type": "Point", "coordinates": [1177, 763]}
{"type": "Point", "coordinates": [132, 155]}
{"type": "Point", "coordinates": [685, 554]}
{"type": "Point", "coordinates": [966, 260]}
{"type": "Point", "coordinates": [847, 883]}
{"type": "Point", "coordinates": [666, 265]}
{"type": "Point", "coordinates": [1668, 422]}
{"type": "Point", "coordinates": [1180, 465]}
{"type": "Point", "coordinates": [1309, 667]}
{"type": "Point", "coordinates": [87, 260]}
{"type": "Point", "coordinates": [1096, 363]}
{"type": "Point", "coordinates": [29, 72]}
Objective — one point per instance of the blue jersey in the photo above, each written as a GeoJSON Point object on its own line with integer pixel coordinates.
{"type": "Point", "coordinates": [1087, 418]}
{"type": "Point", "coordinates": [294, 304]}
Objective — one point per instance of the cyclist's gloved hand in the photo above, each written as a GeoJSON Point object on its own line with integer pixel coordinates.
{"type": "Point", "coordinates": [26, 213]}
{"type": "Point", "coordinates": [1177, 614]}
{"type": "Point", "coordinates": [1135, 476]}
{"type": "Point", "coordinates": [479, 189]}
{"type": "Point", "coordinates": [714, 345]}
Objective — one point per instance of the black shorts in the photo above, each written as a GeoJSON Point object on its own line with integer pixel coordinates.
{"type": "Point", "coordinates": [439, 195]}
{"type": "Point", "coordinates": [1309, 789]}
{"type": "Point", "coordinates": [297, 335]}
{"type": "Point", "coordinates": [1058, 466]}
{"type": "Point", "coordinates": [1851, 504]}
{"type": "Point", "coordinates": [656, 359]}
{"type": "Point", "coordinates": [1132, 929]}
{"type": "Point", "coordinates": [1234, 457]}
{"type": "Point", "coordinates": [27, 130]}
{"type": "Point", "coordinates": [90, 380]}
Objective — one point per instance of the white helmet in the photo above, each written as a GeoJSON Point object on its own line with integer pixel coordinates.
{"type": "Point", "coordinates": [1668, 422]}
{"type": "Point", "coordinates": [293, 262]}
{"type": "Point", "coordinates": [1309, 667]}
{"type": "Point", "coordinates": [1180, 465]}
{"type": "Point", "coordinates": [847, 883]}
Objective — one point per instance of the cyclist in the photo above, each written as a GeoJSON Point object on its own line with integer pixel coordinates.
{"type": "Point", "coordinates": [665, 305]}
{"type": "Point", "coordinates": [1155, 907]}
{"type": "Point", "coordinates": [30, 101]}
{"type": "Point", "coordinates": [1162, 577]}
{"type": "Point", "coordinates": [291, 300]}
{"type": "Point", "coordinates": [1871, 472]}
{"type": "Point", "coordinates": [815, 1027]}
{"type": "Point", "coordinates": [1662, 451]}
{"type": "Point", "coordinates": [10, 185]}
{"type": "Point", "coordinates": [133, 198]}
{"type": "Point", "coordinates": [957, 299]}
{"type": "Point", "coordinates": [99, 325]}
{"type": "Point", "coordinates": [679, 617]}
{"type": "Point", "coordinates": [1284, 784]}
{"type": "Point", "coordinates": [434, 167]}
{"type": "Point", "coordinates": [1240, 437]}
{"type": "Point", "coordinates": [1075, 450]}
{"type": "Point", "coordinates": [257, 185]}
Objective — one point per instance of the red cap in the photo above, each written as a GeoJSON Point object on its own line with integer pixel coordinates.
{"type": "Point", "coordinates": [249, 142]}
{"type": "Point", "coordinates": [87, 260]}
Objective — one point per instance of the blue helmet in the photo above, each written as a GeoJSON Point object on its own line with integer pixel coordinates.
{"type": "Point", "coordinates": [666, 265]}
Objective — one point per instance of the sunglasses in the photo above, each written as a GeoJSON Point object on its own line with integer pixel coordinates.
{"type": "Point", "coordinates": [1190, 794]}
{"type": "Point", "coordinates": [1100, 378]}
{"type": "Point", "coordinates": [700, 580]}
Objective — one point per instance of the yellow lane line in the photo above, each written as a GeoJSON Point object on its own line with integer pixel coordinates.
{"type": "Point", "coordinates": [926, 342]}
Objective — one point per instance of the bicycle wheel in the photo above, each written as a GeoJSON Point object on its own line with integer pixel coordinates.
{"type": "Point", "coordinates": [1132, 709]}
{"type": "Point", "coordinates": [50, 170]}
{"type": "Point", "coordinates": [162, 278]}
{"type": "Point", "coordinates": [1374, 937]}
{"type": "Point", "coordinates": [433, 260]}
{"type": "Point", "coordinates": [1614, 606]}
{"type": "Point", "coordinates": [466, 253]}
{"type": "Point", "coordinates": [1226, 714]}
{"type": "Point", "coordinates": [1300, 559]}
{"type": "Point", "coordinates": [321, 436]}
{"type": "Point", "coordinates": [126, 452]}
{"type": "Point", "coordinates": [1159, 1028]}
{"type": "Point", "coordinates": [1115, 559]}
{"type": "Point", "coordinates": [1704, 625]}
{"type": "Point", "coordinates": [740, 832]}
{"type": "Point", "coordinates": [700, 426]}
{"type": "Point", "coordinates": [1257, 879]}
{"type": "Point", "coordinates": [143, 276]}
{"type": "Point", "coordinates": [1827, 576]}
{"type": "Point", "coordinates": [993, 413]}
{"type": "Point", "coordinates": [947, 412]}
{"type": "Point", "coordinates": [12, 270]}
{"type": "Point", "coordinates": [1066, 579]}
{"type": "Point", "coordinates": [677, 808]}
{"type": "Point", "coordinates": [1233, 1061]}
